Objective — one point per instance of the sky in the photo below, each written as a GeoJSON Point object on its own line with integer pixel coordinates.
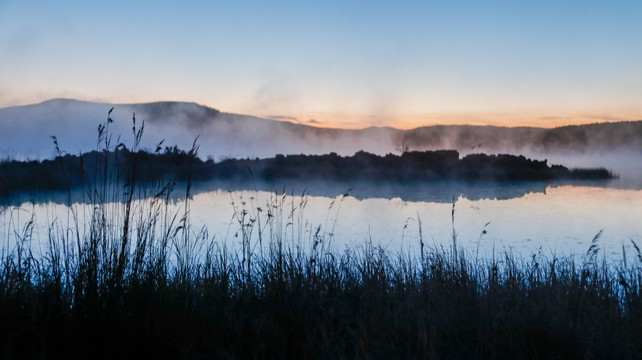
{"type": "Point", "coordinates": [335, 63]}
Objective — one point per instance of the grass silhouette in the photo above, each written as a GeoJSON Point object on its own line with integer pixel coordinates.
{"type": "Point", "coordinates": [132, 278]}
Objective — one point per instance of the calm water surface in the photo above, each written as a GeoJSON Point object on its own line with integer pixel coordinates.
{"type": "Point", "coordinates": [526, 218]}
{"type": "Point", "coordinates": [558, 220]}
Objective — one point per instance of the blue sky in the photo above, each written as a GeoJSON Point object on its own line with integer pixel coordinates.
{"type": "Point", "coordinates": [343, 63]}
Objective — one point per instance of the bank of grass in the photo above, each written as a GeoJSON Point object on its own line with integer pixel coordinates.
{"type": "Point", "coordinates": [132, 278]}
{"type": "Point", "coordinates": [186, 296]}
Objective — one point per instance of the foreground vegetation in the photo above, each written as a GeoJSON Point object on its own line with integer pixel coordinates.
{"type": "Point", "coordinates": [133, 279]}
{"type": "Point", "coordinates": [176, 293]}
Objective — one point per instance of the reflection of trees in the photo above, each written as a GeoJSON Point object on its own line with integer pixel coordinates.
{"type": "Point", "coordinates": [174, 164]}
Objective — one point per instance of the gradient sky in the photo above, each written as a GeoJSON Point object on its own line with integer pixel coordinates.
{"type": "Point", "coordinates": [342, 63]}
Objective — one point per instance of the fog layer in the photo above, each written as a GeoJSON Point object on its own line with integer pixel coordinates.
{"type": "Point", "coordinates": [25, 132]}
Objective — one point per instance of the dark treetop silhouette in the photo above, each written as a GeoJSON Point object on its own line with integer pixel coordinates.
{"type": "Point", "coordinates": [70, 171]}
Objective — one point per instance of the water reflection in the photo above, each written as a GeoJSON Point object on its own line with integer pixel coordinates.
{"type": "Point", "coordinates": [436, 191]}
{"type": "Point", "coordinates": [552, 217]}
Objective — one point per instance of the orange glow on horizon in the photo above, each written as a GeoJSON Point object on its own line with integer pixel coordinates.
{"type": "Point", "coordinates": [412, 121]}
{"type": "Point", "coordinates": [407, 121]}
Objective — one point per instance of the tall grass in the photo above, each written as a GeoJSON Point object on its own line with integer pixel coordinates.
{"type": "Point", "coordinates": [133, 278]}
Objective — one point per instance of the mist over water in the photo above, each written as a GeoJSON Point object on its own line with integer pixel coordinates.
{"type": "Point", "coordinates": [27, 131]}
{"type": "Point", "coordinates": [527, 217]}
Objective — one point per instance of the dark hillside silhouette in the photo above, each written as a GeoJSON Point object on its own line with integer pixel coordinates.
{"type": "Point", "coordinates": [71, 171]}
{"type": "Point", "coordinates": [26, 131]}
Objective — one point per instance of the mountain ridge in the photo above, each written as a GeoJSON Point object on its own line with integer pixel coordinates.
{"type": "Point", "coordinates": [26, 131]}
{"type": "Point", "coordinates": [387, 127]}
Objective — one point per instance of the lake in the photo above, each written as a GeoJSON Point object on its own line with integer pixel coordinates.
{"type": "Point", "coordinates": [552, 218]}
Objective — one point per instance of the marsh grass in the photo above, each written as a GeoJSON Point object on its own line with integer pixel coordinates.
{"type": "Point", "coordinates": [132, 278]}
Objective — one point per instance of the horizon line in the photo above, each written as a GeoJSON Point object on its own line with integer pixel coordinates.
{"type": "Point", "coordinates": [356, 125]}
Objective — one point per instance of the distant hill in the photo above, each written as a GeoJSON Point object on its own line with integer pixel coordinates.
{"type": "Point", "coordinates": [603, 137]}
{"type": "Point", "coordinates": [25, 133]}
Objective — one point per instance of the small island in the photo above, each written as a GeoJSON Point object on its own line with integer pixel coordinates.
{"type": "Point", "coordinates": [410, 166]}
{"type": "Point", "coordinates": [71, 171]}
